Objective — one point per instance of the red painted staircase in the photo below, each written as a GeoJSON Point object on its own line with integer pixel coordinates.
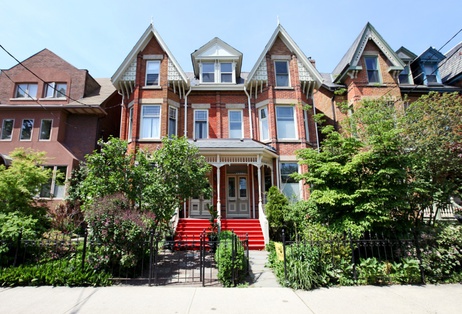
{"type": "Point", "coordinates": [189, 230]}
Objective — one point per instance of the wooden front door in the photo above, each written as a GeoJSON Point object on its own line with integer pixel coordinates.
{"type": "Point", "coordinates": [237, 197]}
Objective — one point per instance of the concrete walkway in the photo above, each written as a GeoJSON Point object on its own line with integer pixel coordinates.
{"type": "Point", "coordinates": [261, 276]}
{"type": "Point", "coordinates": [445, 299]}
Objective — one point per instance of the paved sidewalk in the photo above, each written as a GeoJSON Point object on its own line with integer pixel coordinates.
{"type": "Point", "coordinates": [445, 299]}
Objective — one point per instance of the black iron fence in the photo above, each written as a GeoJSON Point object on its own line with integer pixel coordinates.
{"type": "Point", "coordinates": [164, 261]}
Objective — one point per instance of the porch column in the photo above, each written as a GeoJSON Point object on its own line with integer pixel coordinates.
{"type": "Point", "coordinates": [218, 165]}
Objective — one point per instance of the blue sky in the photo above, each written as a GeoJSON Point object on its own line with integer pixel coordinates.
{"type": "Point", "coordinates": [97, 35]}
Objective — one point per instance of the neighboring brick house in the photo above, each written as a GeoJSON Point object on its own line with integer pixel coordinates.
{"type": "Point", "coordinates": [49, 105]}
{"type": "Point", "coordinates": [370, 69]}
{"type": "Point", "coordinates": [248, 125]}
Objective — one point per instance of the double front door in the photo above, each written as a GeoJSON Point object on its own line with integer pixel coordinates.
{"type": "Point", "coordinates": [237, 196]}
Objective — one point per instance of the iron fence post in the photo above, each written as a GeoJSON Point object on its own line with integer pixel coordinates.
{"type": "Point", "coordinates": [284, 254]}
{"type": "Point", "coordinates": [84, 252]}
{"type": "Point", "coordinates": [150, 257]}
{"type": "Point", "coordinates": [18, 246]}
{"type": "Point", "coordinates": [352, 256]}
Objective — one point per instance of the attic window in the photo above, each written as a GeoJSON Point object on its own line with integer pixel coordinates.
{"type": "Point", "coordinates": [217, 72]}
{"type": "Point", "coordinates": [431, 73]}
{"type": "Point", "coordinates": [152, 73]}
{"type": "Point", "coordinates": [281, 69]}
{"type": "Point", "coordinates": [372, 69]}
{"type": "Point", "coordinates": [208, 72]}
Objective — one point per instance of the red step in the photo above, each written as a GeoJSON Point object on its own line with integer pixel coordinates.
{"type": "Point", "coordinates": [189, 230]}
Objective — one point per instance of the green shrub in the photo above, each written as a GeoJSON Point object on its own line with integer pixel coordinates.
{"type": "Point", "coordinates": [372, 272]}
{"type": "Point", "coordinates": [55, 273]}
{"type": "Point", "coordinates": [231, 260]}
{"type": "Point", "coordinates": [406, 272]}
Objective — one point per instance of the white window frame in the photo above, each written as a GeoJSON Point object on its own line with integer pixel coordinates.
{"type": "Point", "coordinates": [278, 74]}
{"type": "Point", "coordinates": [263, 124]}
{"type": "Point", "coordinates": [241, 129]}
{"type": "Point", "coordinates": [152, 117]}
{"type": "Point", "coordinates": [59, 190]}
{"type": "Point", "coordinates": [172, 117]}
{"type": "Point", "coordinates": [226, 73]}
{"type": "Point", "coordinates": [295, 185]}
{"type": "Point", "coordinates": [10, 137]}
{"type": "Point", "coordinates": [130, 124]}
{"type": "Point", "coordinates": [26, 89]}
{"type": "Point", "coordinates": [280, 128]}
{"type": "Point", "coordinates": [41, 130]}
{"type": "Point", "coordinates": [206, 123]}
{"type": "Point", "coordinates": [155, 72]}
{"type": "Point", "coordinates": [376, 70]}
{"type": "Point", "coordinates": [21, 138]}
{"type": "Point", "coordinates": [213, 72]}
{"type": "Point", "coordinates": [52, 90]}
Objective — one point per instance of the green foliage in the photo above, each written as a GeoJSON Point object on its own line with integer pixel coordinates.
{"type": "Point", "coordinates": [12, 225]}
{"type": "Point", "coordinates": [118, 232]}
{"type": "Point", "coordinates": [231, 260]}
{"type": "Point", "coordinates": [275, 208]}
{"type": "Point", "coordinates": [442, 254]}
{"type": "Point", "coordinates": [55, 273]}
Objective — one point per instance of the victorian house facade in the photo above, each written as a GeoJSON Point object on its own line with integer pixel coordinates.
{"type": "Point", "coordinates": [48, 105]}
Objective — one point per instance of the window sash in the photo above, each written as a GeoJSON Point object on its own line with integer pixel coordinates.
{"type": "Point", "coordinates": [208, 72]}
{"type": "Point", "coordinates": [150, 121]}
{"type": "Point", "coordinates": [235, 124]}
{"type": "Point", "coordinates": [281, 69]}
{"type": "Point", "coordinates": [289, 186]}
{"type": "Point", "coordinates": [226, 70]}
{"type": "Point", "coordinates": [372, 69]}
{"type": "Point", "coordinates": [264, 130]}
{"type": "Point", "coordinates": [26, 129]}
{"type": "Point", "coordinates": [26, 90]}
{"type": "Point", "coordinates": [57, 183]}
{"type": "Point", "coordinates": [45, 129]}
{"type": "Point", "coordinates": [172, 121]}
{"type": "Point", "coordinates": [285, 120]}
{"type": "Point", "coordinates": [200, 124]}
{"type": "Point", "coordinates": [7, 129]}
{"type": "Point", "coordinates": [130, 124]}
{"type": "Point", "coordinates": [152, 73]}
{"type": "Point", "coordinates": [55, 90]}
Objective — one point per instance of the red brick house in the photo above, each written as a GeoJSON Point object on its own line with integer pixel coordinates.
{"type": "Point", "coordinates": [248, 125]}
{"type": "Point", "coordinates": [49, 105]}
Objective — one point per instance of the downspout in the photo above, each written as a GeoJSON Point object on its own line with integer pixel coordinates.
{"type": "Point", "coordinates": [121, 116]}
{"type": "Point", "coordinates": [315, 124]}
{"type": "Point", "coordinates": [185, 133]}
{"type": "Point", "coordinates": [250, 113]}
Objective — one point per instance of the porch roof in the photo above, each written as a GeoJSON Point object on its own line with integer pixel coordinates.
{"type": "Point", "coordinates": [233, 147]}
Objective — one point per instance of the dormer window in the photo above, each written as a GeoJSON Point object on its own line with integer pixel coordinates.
{"type": "Point", "coordinates": [431, 73]}
{"type": "Point", "coordinates": [372, 68]}
{"type": "Point", "coordinates": [26, 90]}
{"type": "Point", "coordinates": [208, 72]}
{"type": "Point", "coordinates": [217, 72]}
{"type": "Point", "coordinates": [55, 90]}
{"type": "Point", "coordinates": [152, 73]}
{"type": "Point", "coordinates": [281, 69]}
{"type": "Point", "coordinates": [404, 76]}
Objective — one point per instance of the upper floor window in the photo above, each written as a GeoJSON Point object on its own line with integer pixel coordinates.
{"type": "Point", "coordinates": [372, 69]}
{"type": "Point", "coordinates": [264, 131]}
{"type": "Point", "coordinates": [7, 129]}
{"type": "Point", "coordinates": [55, 188]}
{"type": "Point", "coordinates": [55, 90]}
{"type": "Point", "coordinates": [404, 76]}
{"type": "Point", "coordinates": [26, 129]}
{"type": "Point", "coordinates": [45, 129]}
{"type": "Point", "coordinates": [226, 71]}
{"type": "Point", "coordinates": [200, 124]}
{"type": "Point", "coordinates": [431, 73]}
{"type": "Point", "coordinates": [26, 90]}
{"type": "Point", "coordinates": [282, 73]}
{"type": "Point", "coordinates": [150, 121]}
{"type": "Point", "coordinates": [289, 186]}
{"type": "Point", "coordinates": [208, 72]}
{"type": "Point", "coordinates": [152, 73]}
{"type": "Point", "coordinates": [172, 121]}
{"type": "Point", "coordinates": [235, 123]}
{"type": "Point", "coordinates": [285, 122]}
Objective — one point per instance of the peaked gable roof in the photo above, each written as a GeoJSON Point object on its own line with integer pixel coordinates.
{"type": "Point", "coordinates": [405, 54]}
{"type": "Point", "coordinates": [216, 49]}
{"type": "Point", "coordinates": [307, 71]}
{"type": "Point", "coordinates": [350, 61]}
{"type": "Point", "coordinates": [127, 70]}
{"type": "Point", "coordinates": [451, 67]}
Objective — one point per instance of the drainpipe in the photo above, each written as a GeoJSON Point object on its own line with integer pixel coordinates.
{"type": "Point", "coordinates": [121, 116]}
{"type": "Point", "coordinates": [250, 113]}
{"type": "Point", "coordinates": [315, 124]}
{"type": "Point", "coordinates": [186, 113]}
